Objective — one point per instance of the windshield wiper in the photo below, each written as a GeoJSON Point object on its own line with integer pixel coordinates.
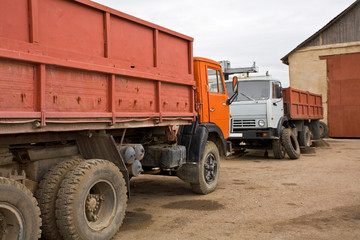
{"type": "Point", "coordinates": [248, 97]}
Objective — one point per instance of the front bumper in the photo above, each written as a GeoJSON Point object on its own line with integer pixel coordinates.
{"type": "Point", "coordinates": [256, 134]}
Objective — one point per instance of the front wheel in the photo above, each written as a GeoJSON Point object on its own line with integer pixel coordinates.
{"type": "Point", "coordinates": [278, 149]}
{"type": "Point", "coordinates": [208, 169]}
{"type": "Point", "coordinates": [19, 212]}
{"type": "Point", "coordinates": [91, 202]}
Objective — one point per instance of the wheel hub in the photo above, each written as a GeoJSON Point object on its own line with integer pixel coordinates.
{"type": "Point", "coordinates": [11, 222]}
{"type": "Point", "coordinates": [100, 205]}
{"type": "Point", "coordinates": [2, 226]}
{"type": "Point", "coordinates": [210, 168]}
{"type": "Point", "coordinates": [92, 205]}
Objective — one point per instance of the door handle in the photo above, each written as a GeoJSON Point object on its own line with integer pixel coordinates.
{"type": "Point", "coordinates": [212, 110]}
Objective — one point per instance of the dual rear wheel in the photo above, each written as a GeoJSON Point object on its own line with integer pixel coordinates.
{"type": "Point", "coordinates": [82, 200]}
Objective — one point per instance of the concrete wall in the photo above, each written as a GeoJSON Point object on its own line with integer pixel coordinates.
{"type": "Point", "coordinates": [308, 72]}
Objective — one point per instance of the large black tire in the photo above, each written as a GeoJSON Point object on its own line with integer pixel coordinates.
{"type": "Point", "coordinates": [19, 212]}
{"type": "Point", "coordinates": [47, 195]}
{"type": "Point", "coordinates": [208, 169]}
{"type": "Point", "coordinates": [278, 149]}
{"type": "Point", "coordinates": [323, 129]}
{"type": "Point", "coordinates": [91, 202]}
{"type": "Point", "coordinates": [305, 137]}
{"type": "Point", "coordinates": [290, 143]}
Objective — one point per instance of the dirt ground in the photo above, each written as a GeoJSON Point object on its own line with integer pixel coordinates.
{"type": "Point", "coordinates": [314, 197]}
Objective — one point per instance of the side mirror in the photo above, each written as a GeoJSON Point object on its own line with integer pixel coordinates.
{"type": "Point", "coordinates": [234, 84]}
{"type": "Point", "coordinates": [235, 88]}
{"type": "Point", "coordinates": [279, 92]}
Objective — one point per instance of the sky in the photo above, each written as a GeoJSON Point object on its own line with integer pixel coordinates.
{"type": "Point", "coordinates": [241, 31]}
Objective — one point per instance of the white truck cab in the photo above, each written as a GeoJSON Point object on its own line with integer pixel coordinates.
{"type": "Point", "coordinates": [258, 110]}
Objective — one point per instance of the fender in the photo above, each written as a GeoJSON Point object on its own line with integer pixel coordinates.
{"type": "Point", "coordinates": [278, 128]}
{"type": "Point", "coordinates": [194, 138]}
{"type": "Point", "coordinates": [213, 128]}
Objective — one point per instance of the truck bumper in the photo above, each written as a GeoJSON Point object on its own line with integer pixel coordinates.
{"type": "Point", "coordinates": [256, 134]}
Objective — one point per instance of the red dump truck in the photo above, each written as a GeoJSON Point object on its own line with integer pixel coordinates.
{"type": "Point", "coordinates": [91, 97]}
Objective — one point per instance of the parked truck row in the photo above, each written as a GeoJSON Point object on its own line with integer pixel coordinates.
{"type": "Point", "coordinates": [91, 97]}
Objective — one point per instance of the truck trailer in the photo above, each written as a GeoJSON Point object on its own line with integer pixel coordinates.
{"type": "Point", "coordinates": [91, 97]}
{"type": "Point", "coordinates": [267, 116]}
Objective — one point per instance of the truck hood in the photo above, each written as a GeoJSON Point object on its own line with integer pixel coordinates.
{"type": "Point", "coordinates": [247, 109]}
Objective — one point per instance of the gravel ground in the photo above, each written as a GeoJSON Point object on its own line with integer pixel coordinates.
{"type": "Point", "coordinates": [314, 197]}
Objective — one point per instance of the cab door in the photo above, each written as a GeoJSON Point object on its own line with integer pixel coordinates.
{"type": "Point", "coordinates": [217, 96]}
{"type": "Point", "coordinates": [277, 105]}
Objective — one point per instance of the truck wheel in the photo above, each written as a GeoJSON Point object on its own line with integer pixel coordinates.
{"type": "Point", "coordinates": [91, 201]}
{"type": "Point", "coordinates": [290, 143]}
{"type": "Point", "coordinates": [209, 167]}
{"type": "Point", "coordinates": [323, 129]}
{"type": "Point", "coordinates": [278, 149]}
{"type": "Point", "coordinates": [19, 212]}
{"type": "Point", "coordinates": [47, 195]}
{"type": "Point", "coordinates": [305, 137]}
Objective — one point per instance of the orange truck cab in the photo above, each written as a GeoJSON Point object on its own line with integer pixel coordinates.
{"type": "Point", "coordinates": [205, 139]}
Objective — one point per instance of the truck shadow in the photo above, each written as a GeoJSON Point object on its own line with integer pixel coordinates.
{"type": "Point", "coordinates": [255, 155]}
{"type": "Point", "coordinates": [159, 186]}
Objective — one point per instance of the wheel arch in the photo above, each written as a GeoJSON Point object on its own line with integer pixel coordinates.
{"type": "Point", "coordinates": [194, 138]}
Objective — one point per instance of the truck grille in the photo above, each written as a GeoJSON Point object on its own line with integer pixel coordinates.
{"type": "Point", "coordinates": [240, 123]}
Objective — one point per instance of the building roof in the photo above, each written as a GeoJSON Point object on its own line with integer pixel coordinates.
{"type": "Point", "coordinates": [285, 59]}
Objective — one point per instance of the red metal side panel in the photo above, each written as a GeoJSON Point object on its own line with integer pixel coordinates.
{"type": "Point", "coordinates": [70, 26]}
{"type": "Point", "coordinates": [343, 98]}
{"type": "Point", "coordinates": [75, 91]}
{"type": "Point", "coordinates": [14, 19]}
{"type": "Point", "coordinates": [135, 95]}
{"type": "Point", "coordinates": [68, 62]}
{"type": "Point", "coordinates": [18, 86]}
{"type": "Point", "coordinates": [133, 44]}
{"type": "Point", "coordinates": [173, 55]}
{"type": "Point", "coordinates": [302, 105]}
{"type": "Point", "coordinates": [179, 102]}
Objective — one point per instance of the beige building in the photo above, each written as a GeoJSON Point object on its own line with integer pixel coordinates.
{"type": "Point", "coordinates": [328, 63]}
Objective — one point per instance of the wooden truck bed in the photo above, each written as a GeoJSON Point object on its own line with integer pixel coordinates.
{"type": "Point", "coordinates": [73, 64]}
{"type": "Point", "coordinates": [300, 105]}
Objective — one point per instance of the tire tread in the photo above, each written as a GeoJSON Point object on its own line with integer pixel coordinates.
{"type": "Point", "coordinates": [6, 181]}
{"type": "Point", "coordinates": [47, 194]}
{"type": "Point", "coordinates": [293, 153]}
{"type": "Point", "coordinates": [64, 203]}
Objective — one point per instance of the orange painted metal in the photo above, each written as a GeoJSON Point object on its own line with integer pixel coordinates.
{"type": "Point", "coordinates": [302, 104]}
{"type": "Point", "coordinates": [72, 61]}
{"type": "Point", "coordinates": [211, 106]}
{"type": "Point", "coordinates": [343, 74]}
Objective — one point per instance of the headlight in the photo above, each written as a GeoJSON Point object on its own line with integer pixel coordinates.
{"type": "Point", "coordinates": [261, 123]}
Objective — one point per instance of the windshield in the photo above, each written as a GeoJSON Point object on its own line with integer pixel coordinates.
{"type": "Point", "coordinates": [252, 90]}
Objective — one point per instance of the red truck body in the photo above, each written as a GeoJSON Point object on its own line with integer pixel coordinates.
{"type": "Point", "coordinates": [91, 97]}
{"type": "Point", "coordinates": [299, 105]}
{"type": "Point", "coordinates": [73, 65]}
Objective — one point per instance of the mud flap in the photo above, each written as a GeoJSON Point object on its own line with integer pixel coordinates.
{"type": "Point", "coordinates": [102, 146]}
{"type": "Point", "coordinates": [189, 172]}
{"type": "Point", "coordinates": [194, 138]}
